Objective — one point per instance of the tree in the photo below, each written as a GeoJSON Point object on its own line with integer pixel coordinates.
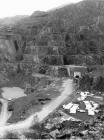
{"type": "Point", "coordinates": [99, 84]}
{"type": "Point", "coordinates": [86, 83]}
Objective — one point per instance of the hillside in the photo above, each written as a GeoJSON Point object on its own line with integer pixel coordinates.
{"type": "Point", "coordinates": [52, 73]}
{"type": "Point", "coordinates": [76, 29]}
{"type": "Point", "coordinates": [65, 17]}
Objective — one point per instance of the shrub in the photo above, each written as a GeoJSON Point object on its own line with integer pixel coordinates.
{"type": "Point", "coordinates": [86, 82]}
{"type": "Point", "coordinates": [99, 84]}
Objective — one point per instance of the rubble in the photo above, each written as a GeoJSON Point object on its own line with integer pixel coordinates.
{"type": "Point", "coordinates": [83, 96]}
{"type": "Point", "coordinates": [83, 99]}
{"type": "Point", "coordinates": [91, 109]}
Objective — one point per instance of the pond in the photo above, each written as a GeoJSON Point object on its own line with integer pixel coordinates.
{"type": "Point", "coordinates": [10, 93]}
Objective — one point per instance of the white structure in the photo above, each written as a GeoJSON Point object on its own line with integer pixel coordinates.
{"type": "Point", "coordinates": [77, 74]}
{"type": "Point", "coordinates": [72, 107]}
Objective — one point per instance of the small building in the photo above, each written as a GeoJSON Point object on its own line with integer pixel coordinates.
{"type": "Point", "coordinates": [76, 71]}
{"type": "Point", "coordinates": [69, 71]}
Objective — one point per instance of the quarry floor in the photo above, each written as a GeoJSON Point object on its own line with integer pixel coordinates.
{"type": "Point", "coordinates": [44, 92]}
{"type": "Point", "coordinates": [24, 106]}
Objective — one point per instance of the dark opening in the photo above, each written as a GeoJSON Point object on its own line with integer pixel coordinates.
{"type": "Point", "coordinates": [68, 60]}
{"type": "Point", "coordinates": [81, 37]}
{"type": "Point", "coordinates": [16, 45]}
{"type": "Point", "coordinates": [77, 76]}
{"type": "Point", "coordinates": [65, 60]}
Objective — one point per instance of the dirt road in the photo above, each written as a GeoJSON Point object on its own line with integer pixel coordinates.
{"type": "Point", "coordinates": [22, 126]}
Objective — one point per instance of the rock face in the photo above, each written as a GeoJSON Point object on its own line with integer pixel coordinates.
{"type": "Point", "coordinates": [7, 49]}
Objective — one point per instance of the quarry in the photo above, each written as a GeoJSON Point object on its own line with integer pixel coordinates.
{"type": "Point", "coordinates": [52, 74]}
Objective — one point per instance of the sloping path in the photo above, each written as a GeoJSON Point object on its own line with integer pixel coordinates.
{"type": "Point", "coordinates": [22, 126]}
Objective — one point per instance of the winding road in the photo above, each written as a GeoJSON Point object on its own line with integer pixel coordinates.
{"type": "Point", "coordinates": [23, 126]}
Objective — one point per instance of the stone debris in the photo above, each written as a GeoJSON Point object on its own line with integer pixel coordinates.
{"type": "Point", "coordinates": [91, 109]}
{"type": "Point", "coordinates": [80, 110]}
{"type": "Point", "coordinates": [54, 133]}
{"type": "Point", "coordinates": [83, 96]}
{"type": "Point", "coordinates": [66, 117]}
{"type": "Point", "coordinates": [90, 106]}
{"type": "Point", "coordinates": [69, 119]}
{"type": "Point", "coordinates": [73, 107]}
{"type": "Point", "coordinates": [68, 106]}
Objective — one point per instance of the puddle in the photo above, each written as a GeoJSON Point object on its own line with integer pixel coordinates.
{"type": "Point", "coordinates": [10, 93]}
